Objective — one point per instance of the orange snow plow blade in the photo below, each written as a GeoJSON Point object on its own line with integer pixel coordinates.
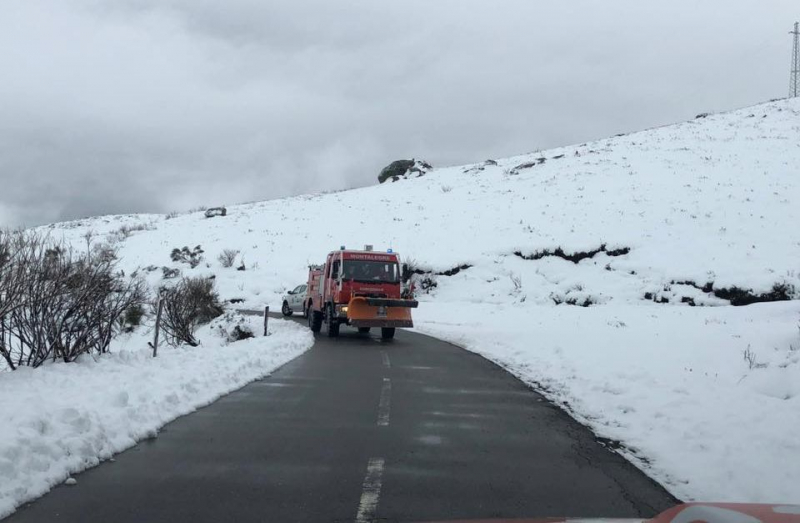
{"type": "Point", "coordinates": [380, 312]}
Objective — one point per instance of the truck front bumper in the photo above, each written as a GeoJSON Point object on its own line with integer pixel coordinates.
{"type": "Point", "coordinates": [380, 312]}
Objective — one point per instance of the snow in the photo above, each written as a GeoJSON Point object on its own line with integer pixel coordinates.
{"type": "Point", "coordinates": [669, 382]}
{"type": "Point", "coordinates": [63, 418]}
{"type": "Point", "coordinates": [711, 201]}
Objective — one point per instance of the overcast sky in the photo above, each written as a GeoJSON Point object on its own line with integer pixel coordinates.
{"type": "Point", "coordinates": [125, 106]}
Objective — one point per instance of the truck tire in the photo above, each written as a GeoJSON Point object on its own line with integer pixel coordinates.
{"type": "Point", "coordinates": [285, 309]}
{"type": "Point", "coordinates": [314, 320]}
{"type": "Point", "coordinates": [387, 333]}
{"type": "Point", "coordinates": [331, 323]}
{"type": "Point", "coordinates": [363, 330]}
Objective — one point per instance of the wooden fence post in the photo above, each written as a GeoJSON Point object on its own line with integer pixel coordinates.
{"type": "Point", "coordinates": [158, 325]}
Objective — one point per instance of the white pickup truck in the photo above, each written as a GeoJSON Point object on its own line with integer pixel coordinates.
{"type": "Point", "coordinates": [293, 300]}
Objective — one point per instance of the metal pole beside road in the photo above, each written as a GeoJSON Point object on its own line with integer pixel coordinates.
{"type": "Point", "coordinates": [266, 317]}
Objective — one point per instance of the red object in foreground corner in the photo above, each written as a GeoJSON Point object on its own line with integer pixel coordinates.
{"type": "Point", "coordinates": [729, 513]}
{"type": "Point", "coordinates": [685, 513]}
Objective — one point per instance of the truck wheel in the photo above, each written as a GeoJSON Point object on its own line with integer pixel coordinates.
{"type": "Point", "coordinates": [387, 333]}
{"type": "Point", "coordinates": [314, 320]}
{"type": "Point", "coordinates": [286, 310]}
{"type": "Point", "coordinates": [331, 323]}
{"type": "Point", "coordinates": [363, 330]}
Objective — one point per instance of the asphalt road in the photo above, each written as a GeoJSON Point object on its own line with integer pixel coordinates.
{"type": "Point", "coordinates": [358, 429]}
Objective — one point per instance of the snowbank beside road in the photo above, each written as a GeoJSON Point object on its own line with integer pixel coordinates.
{"type": "Point", "coordinates": [64, 418]}
{"type": "Point", "coordinates": [704, 399]}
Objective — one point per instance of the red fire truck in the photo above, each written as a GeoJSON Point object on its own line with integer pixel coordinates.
{"type": "Point", "coordinates": [357, 288]}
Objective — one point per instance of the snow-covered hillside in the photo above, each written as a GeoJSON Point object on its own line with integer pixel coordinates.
{"type": "Point", "coordinates": [656, 231]}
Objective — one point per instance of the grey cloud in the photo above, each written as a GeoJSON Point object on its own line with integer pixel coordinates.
{"type": "Point", "coordinates": [144, 105]}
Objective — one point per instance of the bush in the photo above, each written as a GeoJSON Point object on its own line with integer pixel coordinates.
{"type": "Point", "coordinates": [227, 257]}
{"type": "Point", "coordinates": [241, 332]}
{"type": "Point", "coordinates": [169, 273]}
{"type": "Point", "coordinates": [558, 300]}
{"type": "Point", "coordinates": [428, 283]}
{"type": "Point", "coordinates": [233, 327]}
{"type": "Point", "coordinates": [409, 268]}
{"type": "Point", "coordinates": [57, 304]}
{"type": "Point", "coordinates": [192, 257]}
{"type": "Point", "coordinates": [187, 305]}
{"type": "Point", "coordinates": [133, 317]}
{"type": "Point", "coordinates": [126, 231]}
{"type": "Point", "coordinates": [781, 291]}
{"type": "Point", "coordinates": [15, 251]}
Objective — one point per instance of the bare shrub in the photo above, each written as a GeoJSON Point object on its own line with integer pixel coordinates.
{"type": "Point", "coordinates": [15, 251]}
{"type": "Point", "coordinates": [169, 273]}
{"type": "Point", "coordinates": [125, 231]}
{"type": "Point", "coordinates": [104, 252]}
{"type": "Point", "coordinates": [409, 268]}
{"type": "Point", "coordinates": [132, 318]}
{"type": "Point", "coordinates": [241, 332]}
{"type": "Point", "coordinates": [70, 304]}
{"type": "Point", "coordinates": [516, 280]}
{"type": "Point", "coordinates": [187, 305]}
{"type": "Point", "coordinates": [558, 300]}
{"type": "Point", "coordinates": [750, 357]}
{"type": "Point", "coordinates": [20, 255]}
{"type": "Point", "coordinates": [227, 257]}
{"type": "Point", "coordinates": [233, 327]}
{"type": "Point", "coordinates": [428, 283]}
{"type": "Point", "coordinates": [192, 257]}
{"type": "Point", "coordinates": [88, 236]}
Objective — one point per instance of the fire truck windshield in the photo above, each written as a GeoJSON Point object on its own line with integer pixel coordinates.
{"type": "Point", "coordinates": [371, 271]}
